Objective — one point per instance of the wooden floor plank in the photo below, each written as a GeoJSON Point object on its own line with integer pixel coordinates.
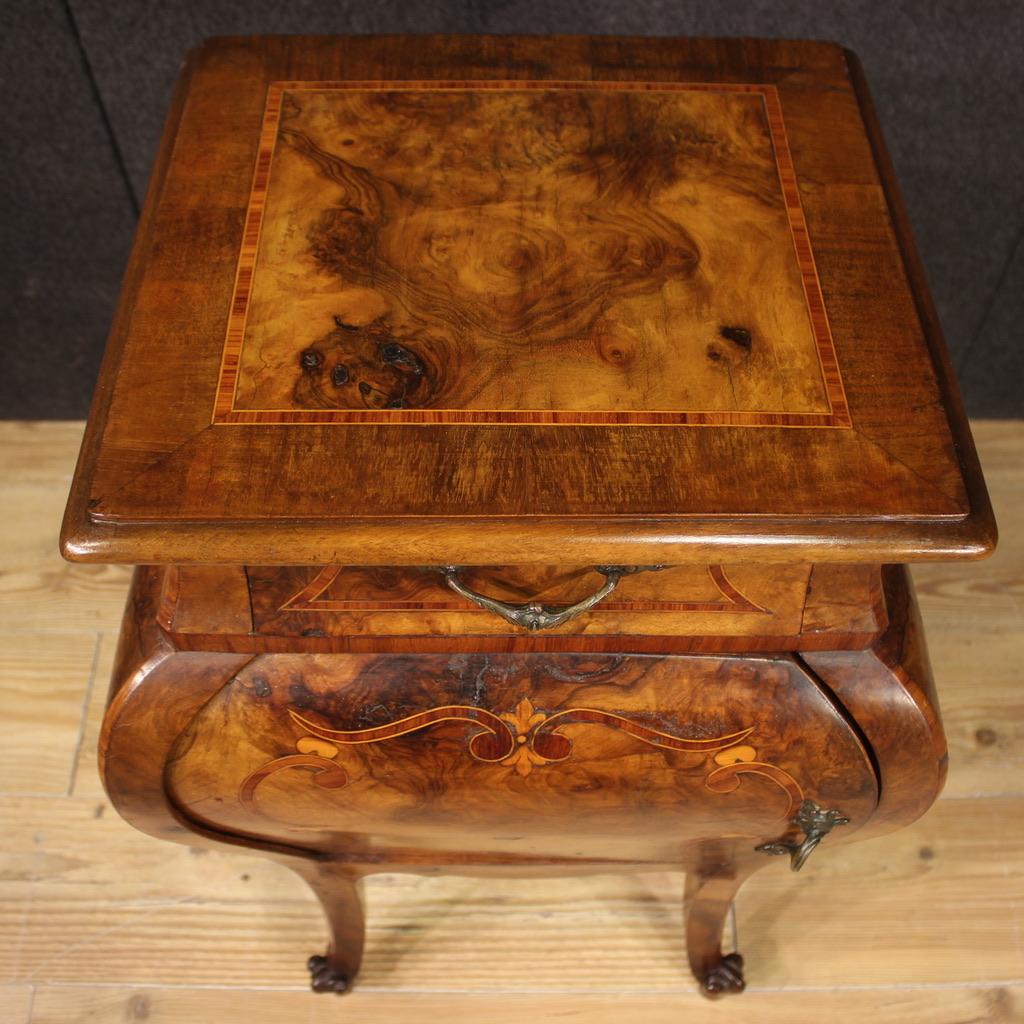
{"type": "Point", "coordinates": [938, 901]}
{"type": "Point", "coordinates": [73, 1005]}
{"type": "Point", "coordinates": [974, 623]}
{"type": "Point", "coordinates": [43, 682]}
{"type": "Point", "coordinates": [15, 1003]}
{"type": "Point", "coordinates": [979, 683]}
{"type": "Point", "coordinates": [941, 900]}
{"type": "Point", "coordinates": [39, 592]}
{"type": "Point", "coordinates": [86, 780]}
{"type": "Point", "coordinates": [620, 934]}
{"type": "Point", "coordinates": [40, 451]}
{"type": "Point", "coordinates": [81, 847]}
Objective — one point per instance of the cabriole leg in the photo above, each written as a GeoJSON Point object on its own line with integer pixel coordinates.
{"type": "Point", "coordinates": [340, 891]}
{"type": "Point", "coordinates": [711, 888]}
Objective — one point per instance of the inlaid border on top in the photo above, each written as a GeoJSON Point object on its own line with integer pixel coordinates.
{"type": "Point", "coordinates": [224, 411]}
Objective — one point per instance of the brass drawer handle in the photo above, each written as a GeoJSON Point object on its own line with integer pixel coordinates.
{"type": "Point", "coordinates": [535, 616]}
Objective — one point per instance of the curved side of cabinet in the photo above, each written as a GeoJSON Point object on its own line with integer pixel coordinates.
{"type": "Point", "coordinates": [155, 692]}
{"type": "Point", "coordinates": [889, 694]}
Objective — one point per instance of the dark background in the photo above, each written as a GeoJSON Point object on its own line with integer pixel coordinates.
{"type": "Point", "coordinates": [87, 82]}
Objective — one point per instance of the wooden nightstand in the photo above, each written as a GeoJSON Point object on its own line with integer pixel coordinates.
{"type": "Point", "coordinates": [520, 441]}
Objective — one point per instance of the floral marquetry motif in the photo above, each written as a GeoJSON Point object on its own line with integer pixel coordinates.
{"type": "Point", "coordinates": [522, 740]}
{"type": "Point", "coordinates": [339, 741]}
{"type": "Point", "coordinates": [524, 719]}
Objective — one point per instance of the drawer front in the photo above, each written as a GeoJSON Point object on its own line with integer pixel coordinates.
{"type": "Point", "coordinates": [678, 609]}
{"type": "Point", "coordinates": [679, 600]}
{"type": "Point", "coordinates": [579, 757]}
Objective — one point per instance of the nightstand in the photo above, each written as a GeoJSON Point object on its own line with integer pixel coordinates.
{"type": "Point", "coordinates": [522, 442]}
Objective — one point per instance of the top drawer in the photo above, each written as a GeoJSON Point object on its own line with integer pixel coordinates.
{"type": "Point", "coordinates": [681, 607]}
{"type": "Point", "coordinates": [669, 600]}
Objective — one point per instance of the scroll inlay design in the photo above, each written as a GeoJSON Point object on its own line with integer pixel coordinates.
{"type": "Point", "coordinates": [523, 739]}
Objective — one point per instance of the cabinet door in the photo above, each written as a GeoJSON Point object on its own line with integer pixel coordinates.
{"type": "Point", "coordinates": [597, 758]}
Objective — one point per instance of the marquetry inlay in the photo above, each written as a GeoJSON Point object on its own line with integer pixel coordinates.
{"type": "Point", "coordinates": [521, 740]}
{"type": "Point", "coordinates": [527, 252]}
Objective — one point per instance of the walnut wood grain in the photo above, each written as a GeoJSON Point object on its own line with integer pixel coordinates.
{"type": "Point", "coordinates": [679, 609]}
{"type": "Point", "coordinates": [675, 600]}
{"type": "Point", "coordinates": [531, 308]}
{"type": "Point", "coordinates": [897, 485]}
{"type": "Point", "coordinates": [535, 252]}
{"type": "Point", "coordinates": [338, 782]}
{"type": "Point", "coordinates": [890, 693]}
{"type": "Point", "coordinates": [348, 753]}
{"type": "Point", "coordinates": [156, 752]}
{"type": "Point", "coordinates": [711, 887]}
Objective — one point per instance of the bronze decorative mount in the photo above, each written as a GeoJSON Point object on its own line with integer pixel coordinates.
{"type": "Point", "coordinates": [815, 823]}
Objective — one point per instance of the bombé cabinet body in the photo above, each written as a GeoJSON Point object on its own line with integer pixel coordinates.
{"type": "Point", "coordinates": [521, 442]}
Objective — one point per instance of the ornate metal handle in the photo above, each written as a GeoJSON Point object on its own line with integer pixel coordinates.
{"type": "Point", "coordinates": [815, 824]}
{"type": "Point", "coordinates": [534, 616]}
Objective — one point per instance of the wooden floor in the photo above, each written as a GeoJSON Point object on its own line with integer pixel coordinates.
{"type": "Point", "coordinates": [99, 923]}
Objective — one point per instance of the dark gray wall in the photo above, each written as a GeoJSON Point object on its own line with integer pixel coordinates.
{"type": "Point", "coordinates": [87, 83]}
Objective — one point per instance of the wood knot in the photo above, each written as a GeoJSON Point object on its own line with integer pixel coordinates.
{"type": "Point", "coordinates": [393, 354]}
{"type": "Point", "coordinates": [985, 737]}
{"type": "Point", "coordinates": [138, 1007]}
{"type": "Point", "coordinates": [738, 336]}
{"type": "Point", "coordinates": [311, 360]}
{"type": "Point", "coordinates": [615, 353]}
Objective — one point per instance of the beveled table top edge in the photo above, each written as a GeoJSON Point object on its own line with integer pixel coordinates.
{"type": "Point", "coordinates": [546, 541]}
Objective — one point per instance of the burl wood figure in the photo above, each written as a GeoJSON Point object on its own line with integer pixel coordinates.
{"type": "Point", "coordinates": [520, 442]}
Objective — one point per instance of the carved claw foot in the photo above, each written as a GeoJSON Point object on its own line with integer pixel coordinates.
{"type": "Point", "coordinates": [325, 978]}
{"type": "Point", "coordinates": [726, 977]}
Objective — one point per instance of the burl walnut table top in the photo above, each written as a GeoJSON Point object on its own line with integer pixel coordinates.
{"type": "Point", "coordinates": [401, 300]}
